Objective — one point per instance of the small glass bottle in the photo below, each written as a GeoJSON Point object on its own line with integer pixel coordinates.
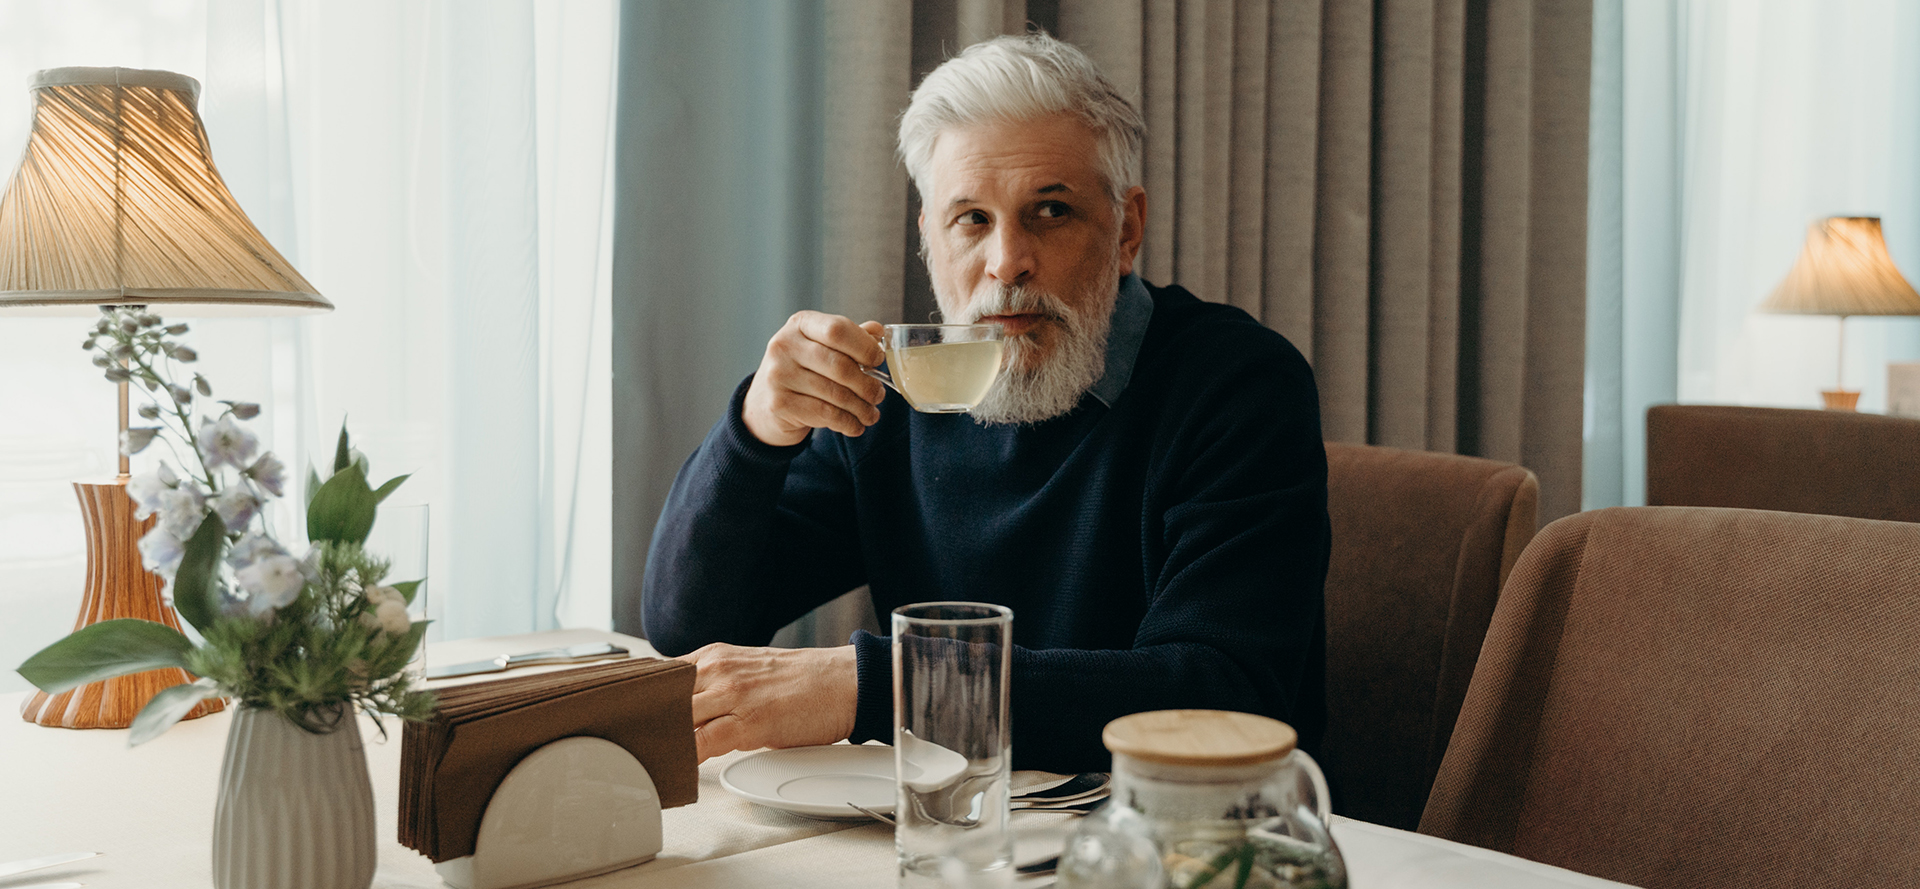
{"type": "Point", "coordinates": [1206, 799]}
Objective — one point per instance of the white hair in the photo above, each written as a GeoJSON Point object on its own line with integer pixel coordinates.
{"type": "Point", "coordinates": [1016, 78]}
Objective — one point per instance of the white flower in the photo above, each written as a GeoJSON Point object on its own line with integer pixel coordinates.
{"type": "Point", "coordinates": [378, 595]}
{"type": "Point", "coordinates": [182, 509]}
{"type": "Point", "coordinates": [270, 583]}
{"type": "Point", "coordinates": [225, 443]}
{"type": "Point", "coordinates": [310, 566]}
{"type": "Point", "coordinates": [252, 548]}
{"type": "Point", "coordinates": [145, 489]}
{"type": "Point", "coordinates": [136, 439]}
{"type": "Point", "coordinates": [393, 617]}
{"type": "Point", "coordinates": [160, 551]}
{"type": "Point", "coordinates": [269, 473]}
{"type": "Point", "coordinates": [236, 506]}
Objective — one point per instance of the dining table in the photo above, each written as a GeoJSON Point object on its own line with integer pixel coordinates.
{"type": "Point", "coordinates": [149, 810]}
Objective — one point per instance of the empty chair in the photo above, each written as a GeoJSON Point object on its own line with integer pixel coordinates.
{"type": "Point", "coordinates": [1699, 698]}
{"type": "Point", "coordinates": [1825, 462]}
{"type": "Point", "coordinates": [1421, 543]}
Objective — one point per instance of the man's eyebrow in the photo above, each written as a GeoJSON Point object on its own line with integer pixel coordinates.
{"type": "Point", "coordinates": [1055, 188]}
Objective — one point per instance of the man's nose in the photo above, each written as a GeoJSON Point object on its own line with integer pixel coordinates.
{"type": "Point", "coordinates": [1010, 256]}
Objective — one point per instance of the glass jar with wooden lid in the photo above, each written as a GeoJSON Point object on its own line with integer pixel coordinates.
{"type": "Point", "coordinates": [1206, 799]}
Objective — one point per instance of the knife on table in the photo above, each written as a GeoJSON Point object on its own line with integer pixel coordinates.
{"type": "Point", "coordinates": [572, 654]}
{"type": "Point", "coordinates": [20, 867]}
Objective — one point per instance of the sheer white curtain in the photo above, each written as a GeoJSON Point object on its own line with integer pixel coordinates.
{"type": "Point", "coordinates": [1721, 129]}
{"type": "Point", "coordinates": [440, 171]}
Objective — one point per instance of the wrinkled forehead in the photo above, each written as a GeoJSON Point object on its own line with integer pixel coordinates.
{"type": "Point", "coordinates": [1013, 158]}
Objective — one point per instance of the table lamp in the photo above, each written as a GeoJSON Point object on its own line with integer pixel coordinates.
{"type": "Point", "coordinates": [1844, 270]}
{"type": "Point", "coordinates": [117, 203]}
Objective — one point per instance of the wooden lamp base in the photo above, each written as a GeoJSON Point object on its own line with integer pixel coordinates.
{"type": "Point", "coordinates": [1840, 399]}
{"type": "Point", "coordinates": [117, 586]}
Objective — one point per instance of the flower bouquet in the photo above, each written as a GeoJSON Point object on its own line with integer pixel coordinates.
{"type": "Point", "coordinates": [310, 638]}
{"type": "Point", "coordinates": [301, 642]}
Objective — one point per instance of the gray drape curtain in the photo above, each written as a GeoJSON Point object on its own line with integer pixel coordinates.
{"type": "Point", "coordinates": [1398, 186]}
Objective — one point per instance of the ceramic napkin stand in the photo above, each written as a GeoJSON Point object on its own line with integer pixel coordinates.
{"type": "Point", "coordinates": [571, 809]}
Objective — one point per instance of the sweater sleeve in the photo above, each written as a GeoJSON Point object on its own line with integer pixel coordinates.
{"type": "Point", "coordinates": [1236, 541]}
{"type": "Point", "coordinates": [752, 536]}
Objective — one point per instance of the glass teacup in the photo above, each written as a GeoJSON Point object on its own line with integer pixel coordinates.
{"type": "Point", "coordinates": [941, 368]}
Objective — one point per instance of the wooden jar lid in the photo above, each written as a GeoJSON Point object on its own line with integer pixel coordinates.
{"type": "Point", "coordinates": [1200, 737]}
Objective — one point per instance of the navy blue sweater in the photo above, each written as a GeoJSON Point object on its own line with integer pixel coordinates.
{"type": "Point", "coordinates": [1166, 552]}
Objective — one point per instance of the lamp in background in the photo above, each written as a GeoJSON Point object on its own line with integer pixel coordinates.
{"type": "Point", "coordinates": [117, 203]}
{"type": "Point", "coordinates": [1844, 270]}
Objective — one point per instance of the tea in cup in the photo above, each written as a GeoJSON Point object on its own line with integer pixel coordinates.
{"type": "Point", "coordinates": [941, 368]}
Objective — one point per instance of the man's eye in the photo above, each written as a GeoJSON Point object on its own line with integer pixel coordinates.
{"type": "Point", "coordinates": [1053, 210]}
{"type": "Point", "coordinates": [972, 217]}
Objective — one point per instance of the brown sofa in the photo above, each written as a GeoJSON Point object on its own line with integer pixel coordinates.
{"type": "Point", "coordinates": [1824, 462]}
{"type": "Point", "coordinates": [1700, 698]}
{"type": "Point", "coordinates": [1421, 543]}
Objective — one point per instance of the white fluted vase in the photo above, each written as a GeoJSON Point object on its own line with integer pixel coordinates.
{"type": "Point", "coordinates": [295, 809]}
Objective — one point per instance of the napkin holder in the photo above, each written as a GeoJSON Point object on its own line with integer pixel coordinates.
{"type": "Point", "coordinates": [571, 809]}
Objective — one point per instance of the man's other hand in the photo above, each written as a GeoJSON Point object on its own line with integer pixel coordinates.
{"type": "Point", "coordinates": [810, 379]}
{"type": "Point", "coordinates": [748, 698]}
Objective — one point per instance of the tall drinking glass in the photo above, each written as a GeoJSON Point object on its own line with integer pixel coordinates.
{"type": "Point", "coordinates": [951, 747]}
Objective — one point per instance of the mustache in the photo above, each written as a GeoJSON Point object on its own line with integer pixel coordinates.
{"type": "Point", "coordinates": [1016, 299]}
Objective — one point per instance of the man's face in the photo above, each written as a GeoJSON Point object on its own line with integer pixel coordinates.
{"type": "Point", "coordinates": [1015, 212]}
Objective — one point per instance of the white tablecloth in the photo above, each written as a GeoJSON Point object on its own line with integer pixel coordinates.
{"type": "Point", "coordinates": [151, 810]}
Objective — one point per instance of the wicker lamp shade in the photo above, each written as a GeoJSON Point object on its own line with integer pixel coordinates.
{"type": "Point", "coordinates": [117, 202]}
{"type": "Point", "coordinates": [1844, 269]}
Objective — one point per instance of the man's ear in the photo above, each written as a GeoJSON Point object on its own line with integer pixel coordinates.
{"type": "Point", "coordinates": [1133, 227]}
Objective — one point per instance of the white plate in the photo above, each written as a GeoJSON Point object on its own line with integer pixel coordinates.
{"type": "Point", "coordinates": [817, 782]}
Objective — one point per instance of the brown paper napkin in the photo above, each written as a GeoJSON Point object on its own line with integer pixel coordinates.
{"type": "Point", "coordinates": [451, 765]}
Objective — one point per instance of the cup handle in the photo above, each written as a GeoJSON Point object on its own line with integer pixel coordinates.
{"type": "Point", "coordinates": [881, 375]}
{"type": "Point", "coordinates": [1322, 798]}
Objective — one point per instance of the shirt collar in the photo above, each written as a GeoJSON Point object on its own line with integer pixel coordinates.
{"type": "Point", "coordinates": [1131, 312]}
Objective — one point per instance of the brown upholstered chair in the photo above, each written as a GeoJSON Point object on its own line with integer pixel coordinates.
{"type": "Point", "coordinates": [1699, 698]}
{"type": "Point", "coordinates": [1825, 462]}
{"type": "Point", "coordinates": [1421, 543]}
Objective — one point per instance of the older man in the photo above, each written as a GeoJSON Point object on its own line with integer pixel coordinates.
{"type": "Point", "coordinates": [1144, 486]}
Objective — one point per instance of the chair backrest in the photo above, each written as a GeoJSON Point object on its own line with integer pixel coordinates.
{"type": "Point", "coordinates": [1824, 462]}
{"type": "Point", "coordinates": [1421, 544]}
{"type": "Point", "coordinates": [1700, 698]}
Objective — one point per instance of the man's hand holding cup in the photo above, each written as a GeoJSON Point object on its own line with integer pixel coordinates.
{"type": "Point", "coordinates": [811, 378]}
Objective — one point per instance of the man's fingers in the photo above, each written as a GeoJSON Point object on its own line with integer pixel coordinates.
{"type": "Point", "coordinates": [841, 335]}
{"type": "Point", "coordinates": [711, 704]}
{"type": "Point", "coordinates": [836, 367]}
{"type": "Point", "coordinates": [811, 378]}
{"type": "Point", "coordinates": [717, 736]}
{"type": "Point", "coordinates": [804, 394]}
{"type": "Point", "coordinates": [801, 395]}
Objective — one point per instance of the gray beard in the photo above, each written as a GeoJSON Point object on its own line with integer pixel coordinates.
{"type": "Point", "coordinates": [1031, 389]}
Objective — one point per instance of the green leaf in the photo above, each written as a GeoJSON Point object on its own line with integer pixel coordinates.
{"type": "Point", "coordinates": [193, 586]}
{"type": "Point", "coordinates": [416, 633]}
{"type": "Point", "coordinates": [168, 707]}
{"type": "Point", "coordinates": [104, 650]}
{"type": "Point", "coordinates": [408, 588]}
{"type": "Point", "coordinates": [380, 494]}
{"type": "Point", "coordinates": [343, 454]}
{"type": "Point", "coordinates": [344, 509]}
{"type": "Point", "coordinates": [313, 484]}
